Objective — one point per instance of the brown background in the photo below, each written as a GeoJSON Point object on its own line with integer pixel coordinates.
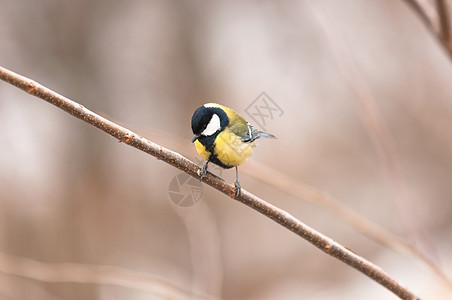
{"type": "Point", "coordinates": [70, 193]}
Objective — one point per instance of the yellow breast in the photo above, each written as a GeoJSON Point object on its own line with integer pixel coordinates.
{"type": "Point", "coordinates": [231, 150]}
{"type": "Point", "coordinates": [202, 150]}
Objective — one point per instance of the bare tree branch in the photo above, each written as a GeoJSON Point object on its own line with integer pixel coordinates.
{"type": "Point", "coordinates": [372, 230]}
{"type": "Point", "coordinates": [301, 190]}
{"type": "Point", "coordinates": [278, 215]}
{"type": "Point", "coordinates": [421, 11]}
{"type": "Point", "coordinates": [440, 31]}
{"type": "Point", "coordinates": [443, 13]}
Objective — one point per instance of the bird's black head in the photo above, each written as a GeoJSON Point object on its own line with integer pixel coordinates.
{"type": "Point", "coordinates": [207, 121]}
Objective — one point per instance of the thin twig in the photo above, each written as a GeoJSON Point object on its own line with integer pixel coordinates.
{"type": "Point", "coordinates": [444, 22]}
{"type": "Point", "coordinates": [278, 215]}
{"type": "Point", "coordinates": [440, 31]}
{"type": "Point", "coordinates": [420, 10]}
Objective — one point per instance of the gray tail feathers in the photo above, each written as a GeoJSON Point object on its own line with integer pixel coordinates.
{"type": "Point", "coordinates": [264, 135]}
{"type": "Point", "coordinates": [254, 134]}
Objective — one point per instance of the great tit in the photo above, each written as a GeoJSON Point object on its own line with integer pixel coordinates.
{"type": "Point", "coordinates": [223, 137]}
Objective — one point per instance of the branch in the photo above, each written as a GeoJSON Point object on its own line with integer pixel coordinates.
{"type": "Point", "coordinates": [377, 233]}
{"type": "Point", "coordinates": [440, 31]}
{"type": "Point", "coordinates": [304, 192]}
{"type": "Point", "coordinates": [443, 13]}
{"type": "Point", "coordinates": [174, 159]}
{"type": "Point", "coordinates": [427, 19]}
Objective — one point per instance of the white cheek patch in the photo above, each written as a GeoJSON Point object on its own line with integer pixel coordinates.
{"type": "Point", "coordinates": [213, 126]}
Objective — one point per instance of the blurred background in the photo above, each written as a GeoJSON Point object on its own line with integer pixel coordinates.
{"type": "Point", "coordinates": [363, 91]}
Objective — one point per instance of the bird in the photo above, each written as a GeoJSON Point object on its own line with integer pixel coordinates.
{"type": "Point", "coordinates": [223, 137]}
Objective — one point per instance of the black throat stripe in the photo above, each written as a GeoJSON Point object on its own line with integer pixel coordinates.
{"type": "Point", "coordinates": [209, 143]}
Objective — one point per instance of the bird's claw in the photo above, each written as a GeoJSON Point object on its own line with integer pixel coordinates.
{"type": "Point", "coordinates": [237, 188]}
{"type": "Point", "coordinates": [203, 172]}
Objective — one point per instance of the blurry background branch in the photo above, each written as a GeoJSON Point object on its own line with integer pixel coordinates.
{"type": "Point", "coordinates": [93, 274]}
{"type": "Point", "coordinates": [281, 217]}
{"type": "Point", "coordinates": [436, 19]}
{"type": "Point", "coordinates": [376, 127]}
{"type": "Point", "coordinates": [443, 12]}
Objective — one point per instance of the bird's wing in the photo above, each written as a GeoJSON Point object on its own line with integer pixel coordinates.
{"type": "Point", "coordinates": [237, 124]}
{"type": "Point", "coordinates": [252, 133]}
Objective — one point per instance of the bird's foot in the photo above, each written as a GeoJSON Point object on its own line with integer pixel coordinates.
{"type": "Point", "coordinates": [203, 171]}
{"type": "Point", "coordinates": [238, 188]}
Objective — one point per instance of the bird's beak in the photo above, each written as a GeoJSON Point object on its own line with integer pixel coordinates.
{"type": "Point", "coordinates": [195, 137]}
